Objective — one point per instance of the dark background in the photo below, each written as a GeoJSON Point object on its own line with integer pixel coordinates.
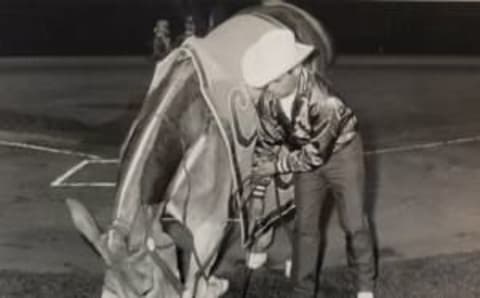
{"type": "Point", "coordinates": [124, 27]}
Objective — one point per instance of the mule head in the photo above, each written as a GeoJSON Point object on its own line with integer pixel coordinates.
{"type": "Point", "coordinates": [134, 269]}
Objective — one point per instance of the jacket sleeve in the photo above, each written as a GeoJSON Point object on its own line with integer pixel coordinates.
{"type": "Point", "coordinates": [266, 150]}
{"type": "Point", "coordinates": [327, 116]}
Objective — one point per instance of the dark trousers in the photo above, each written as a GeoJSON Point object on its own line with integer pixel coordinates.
{"type": "Point", "coordinates": [344, 176]}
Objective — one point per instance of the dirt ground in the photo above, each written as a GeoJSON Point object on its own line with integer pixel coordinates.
{"type": "Point", "coordinates": [420, 121]}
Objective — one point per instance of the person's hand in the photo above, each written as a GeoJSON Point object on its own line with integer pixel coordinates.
{"type": "Point", "coordinates": [266, 168]}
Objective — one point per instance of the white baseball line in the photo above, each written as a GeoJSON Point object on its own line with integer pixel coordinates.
{"type": "Point", "coordinates": [424, 146]}
{"type": "Point", "coordinates": [95, 159]}
{"type": "Point", "coordinates": [86, 184]}
{"type": "Point", "coordinates": [60, 181]}
{"type": "Point", "coordinates": [48, 149]}
{"type": "Point", "coordinates": [104, 161]}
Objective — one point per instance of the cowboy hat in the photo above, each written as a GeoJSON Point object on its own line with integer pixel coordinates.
{"type": "Point", "coordinates": [271, 56]}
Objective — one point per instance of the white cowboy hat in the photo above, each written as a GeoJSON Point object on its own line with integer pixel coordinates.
{"type": "Point", "coordinates": [275, 53]}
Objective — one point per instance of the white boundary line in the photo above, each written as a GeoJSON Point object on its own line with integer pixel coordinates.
{"type": "Point", "coordinates": [424, 146]}
{"type": "Point", "coordinates": [47, 149]}
{"type": "Point", "coordinates": [87, 184]}
{"type": "Point", "coordinates": [60, 181]}
{"type": "Point", "coordinates": [104, 161]}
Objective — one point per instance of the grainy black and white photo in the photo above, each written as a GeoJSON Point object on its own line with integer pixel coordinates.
{"type": "Point", "coordinates": [239, 149]}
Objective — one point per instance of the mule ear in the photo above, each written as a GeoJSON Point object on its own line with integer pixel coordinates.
{"type": "Point", "coordinates": [86, 224]}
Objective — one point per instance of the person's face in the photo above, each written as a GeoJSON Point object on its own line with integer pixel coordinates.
{"type": "Point", "coordinates": [284, 85]}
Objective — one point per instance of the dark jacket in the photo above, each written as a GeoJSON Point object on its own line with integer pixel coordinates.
{"type": "Point", "coordinates": [320, 124]}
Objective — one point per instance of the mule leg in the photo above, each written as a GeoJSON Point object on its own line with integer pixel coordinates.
{"type": "Point", "coordinates": [106, 293]}
{"type": "Point", "coordinates": [207, 238]}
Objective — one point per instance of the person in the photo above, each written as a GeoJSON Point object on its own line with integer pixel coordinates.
{"type": "Point", "coordinates": [300, 111]}
{"type": "Point", "coordinates": [161, 40]}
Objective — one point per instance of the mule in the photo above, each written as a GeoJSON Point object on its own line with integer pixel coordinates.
{"type": "Point", "coordinates": [186, 161]}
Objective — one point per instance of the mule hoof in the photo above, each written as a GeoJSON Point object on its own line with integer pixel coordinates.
{"type": "Point", "coordinates": [213, 288]}
{"type": "Point", "coordinates": [219, 285]}
{"type": "Point", "coordinates": [106, 293]}
{"type": "Point", "coordinates": [187, 294]}
{"type": "Point", "coordinates": [256, 260]}
{"type": "Point", "coordinates": [288, 268]}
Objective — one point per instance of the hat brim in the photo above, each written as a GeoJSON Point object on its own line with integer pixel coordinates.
{"type": "Point", "coordinates": [303, 51]}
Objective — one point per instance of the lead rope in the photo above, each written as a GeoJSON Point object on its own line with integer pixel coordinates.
{"type": "Point", "coordinates": [248, 271]}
